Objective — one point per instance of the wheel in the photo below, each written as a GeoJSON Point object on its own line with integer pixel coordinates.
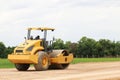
{"type": "Point", "coordinates": [43, 61]}
{"type": "Point", "coordinates": [59, 66]}
{"type": "Point", "coordinates": [22, 67]}
{"type": "Point", "coordinates": [63, 66]}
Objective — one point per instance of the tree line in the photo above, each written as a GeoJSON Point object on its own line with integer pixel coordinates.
{"type": "Point", "coordinates": [85, 48]}
{"type": "Point", "coordinates": [4, 51]}
{"type": "Point", "coordinates": [90, 48]}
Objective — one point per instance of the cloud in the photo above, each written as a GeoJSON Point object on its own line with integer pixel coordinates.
{"type": "Point", "coordinates": [71, 18]}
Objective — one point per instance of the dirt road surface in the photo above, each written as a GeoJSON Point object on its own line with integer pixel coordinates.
{"type": "Point", "coordinates": [81, 71]}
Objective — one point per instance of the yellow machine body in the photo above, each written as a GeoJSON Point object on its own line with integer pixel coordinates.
{"type": "Point", "coordinates": [31, 59]}
{"type": "Point", "coordinates": [26, 52]}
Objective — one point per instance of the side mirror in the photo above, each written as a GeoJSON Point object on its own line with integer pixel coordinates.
{"type": "Point", "coordinates": [25, 38]}
{"type": "Point", "coordinates": [53, 38]}
{"type": "Point", "coordinates": [52, 29]}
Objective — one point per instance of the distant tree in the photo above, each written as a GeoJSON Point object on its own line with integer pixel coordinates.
{"type": "Point", "coordinates": [86, 47]}
{"type": "Point", "coordinates": [73, 47]}
{"type": "Point", "coordinates": [106, 45]}
{"type": "Point", "coordinates": [116, 49]}
{"type": "Point", "coordinates": [58, 44]}
{"type": "Point", "coordinates": [98, 50]}
{"type": "Point", "coordinates": [67, 44]}
{"type": "Point", "coordinates": [2, 49]}
{"type": "Point", "coordinates": [7, 51]}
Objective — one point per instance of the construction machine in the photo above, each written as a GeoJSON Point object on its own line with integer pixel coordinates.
{"type": "Point", "coordinates": [39, 53]}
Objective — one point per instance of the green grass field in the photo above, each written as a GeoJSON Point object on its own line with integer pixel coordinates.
{"type": "Point", "coordinates": [78, 60]}
{"type": "Point", "coordinates": [5, 63]}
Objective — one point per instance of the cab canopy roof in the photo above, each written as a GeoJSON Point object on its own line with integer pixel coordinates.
{"type": "Point", "coordinates": [41, 28]}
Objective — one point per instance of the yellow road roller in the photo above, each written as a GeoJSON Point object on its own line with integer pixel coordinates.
{"type": "Point", "coordinates": [38, 51]}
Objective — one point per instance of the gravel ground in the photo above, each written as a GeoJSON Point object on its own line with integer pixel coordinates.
{"type": "Point", "coordinates": [81, 71]}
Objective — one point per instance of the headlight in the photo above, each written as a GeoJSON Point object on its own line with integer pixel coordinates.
{"type": "Point", "coordinates": [19, 51]}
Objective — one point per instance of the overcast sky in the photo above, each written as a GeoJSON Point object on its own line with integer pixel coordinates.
{"type": "Point", "coordinates": [72, 19]}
